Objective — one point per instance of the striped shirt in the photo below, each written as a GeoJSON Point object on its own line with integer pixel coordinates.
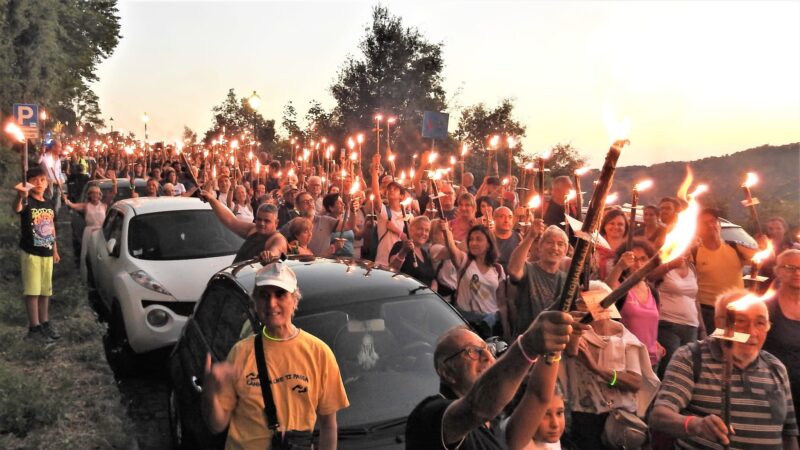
{"type": "Point", "coordinates": [762, 412]}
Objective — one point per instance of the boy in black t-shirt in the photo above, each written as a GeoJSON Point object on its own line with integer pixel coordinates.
{"type": "Point", "coordinates": [38, 252]}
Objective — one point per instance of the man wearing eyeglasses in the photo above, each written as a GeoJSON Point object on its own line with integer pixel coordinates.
{"type": "Point", "coordinates": [762, 414]}
{"type": "Point", "coordinates": [474, 387]}
{"type": "Point", "coordinates": [783, 339]}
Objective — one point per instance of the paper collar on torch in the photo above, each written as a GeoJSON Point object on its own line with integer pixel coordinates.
{"type": "Point", "coordinates": [729, 333]}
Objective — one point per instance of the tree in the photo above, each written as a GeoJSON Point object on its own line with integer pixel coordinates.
{"type": "Point", "coordinates": [234, 116]}
{"type": "Point", "coordinates": [289, 121]}
{"type": "Point", "coordinates": [478, 124]}
{"type": "Point", "coordinates": [189, 136]}
{"type": "Point", "coordinates": [49, 50]}
{"type": "Point", "coordinates": [399, 73]}
{"type": "Point", "coordinates": [564, 160]}
{"type": "Point", "coordinates": [321, 123]}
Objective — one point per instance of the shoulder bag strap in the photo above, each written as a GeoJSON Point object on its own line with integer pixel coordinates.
{"type": "Point", "coordinates": [266, 391]}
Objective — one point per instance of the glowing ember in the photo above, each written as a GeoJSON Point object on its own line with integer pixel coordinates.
{"type": "Point", "coordinates": [750, 299]}
{"type": "Point", "coordinates": [759, 257]}
{"type": "Point", "coordinates": [580, 172]}
{"type": "Point", "coordinates": [643, 185]}
{"type": "Point", "coordinates": [535, 202]}
{"type": "Point", "coordinates": [679, 239]}
{"type": "Point", "coordinates": [15, 131]}
{"type": "Point", "coordinates": [751, 180]}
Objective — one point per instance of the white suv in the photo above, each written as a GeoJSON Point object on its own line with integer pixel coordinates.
{"type": "Point", "coordinates": [148, 266]}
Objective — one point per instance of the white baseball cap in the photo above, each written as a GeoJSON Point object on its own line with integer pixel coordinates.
{"type": "Point", "coordinates": [277, 274]}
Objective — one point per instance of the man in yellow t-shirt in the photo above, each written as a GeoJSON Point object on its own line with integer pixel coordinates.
{"type": "Point", "coordinates": [302, 372]}
{"type": "Point", "coordinates": [719, 265]}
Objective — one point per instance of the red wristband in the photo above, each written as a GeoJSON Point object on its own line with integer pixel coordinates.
{"type": "Point", "coordinates": [686, 424]}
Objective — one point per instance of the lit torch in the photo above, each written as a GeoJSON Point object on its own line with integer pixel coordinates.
{"type": "Point", "coordinates": [590, 224]}
{"type": "Point", "coordinates": [404, 207]}
{"type": "Point", "coordinates": [757, 259]}
{"type": "Point", "coordinates": [675, 243]}
{"type": "Point", "coordinates": [637, 188]}
{"type": "Point", "coordinates": [16, 132]}
{"type": "Point", "coordinates": [749, 201]}
{"type": "Point", "coordinates": [544, 157]}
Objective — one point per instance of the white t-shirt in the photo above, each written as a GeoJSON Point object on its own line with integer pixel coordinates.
{"type": "Point", "coordinates": [678, 296]}
{"type": "Point", "coordinates": [52, 167]}
{"type": "Point", "coordinates": [389, 238]}
{"type": "Point", "coordinates": [477, 292]}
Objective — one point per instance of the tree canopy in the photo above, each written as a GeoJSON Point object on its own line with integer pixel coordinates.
{"type": "Point", "coordinates": [236, 116]}
{"type": "Point", "coordinates": [49, 51]}
{"type": "Point", "coordinates": [398, 73]}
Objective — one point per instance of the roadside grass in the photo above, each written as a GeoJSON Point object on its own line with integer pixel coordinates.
{"type": "Point", "coordinates": [63, 395]}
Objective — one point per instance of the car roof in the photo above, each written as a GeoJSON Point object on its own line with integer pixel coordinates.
{"type": "Point", "coordinates": [147, 205]}
{"type": "Point", "coordinates": [327, 282]}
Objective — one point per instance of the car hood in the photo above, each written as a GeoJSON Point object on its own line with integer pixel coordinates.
{"type": "Point", "coordinates": [184, 279]}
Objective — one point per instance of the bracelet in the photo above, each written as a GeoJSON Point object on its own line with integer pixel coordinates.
{"type": "Point", "coordinates": [522, 350]}
{"type": "Point", "coordinates": [613, 380]}
{"type": "Point", "coordinates": [686, 423]}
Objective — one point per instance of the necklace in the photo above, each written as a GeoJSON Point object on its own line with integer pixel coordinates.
{"type": "Point", "coordinates": [266, 335]}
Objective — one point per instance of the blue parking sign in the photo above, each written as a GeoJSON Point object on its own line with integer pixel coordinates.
{"type": "Point", "coordinates": [26, 114]}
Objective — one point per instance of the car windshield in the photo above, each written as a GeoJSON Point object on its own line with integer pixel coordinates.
{"type": "Point", "coordinates": [175, 235]}
{"type": "Point", "coordinates": [384, 349]}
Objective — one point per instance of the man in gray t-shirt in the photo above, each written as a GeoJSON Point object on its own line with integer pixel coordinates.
{"type": "Point", "coordinates": [539, 282]}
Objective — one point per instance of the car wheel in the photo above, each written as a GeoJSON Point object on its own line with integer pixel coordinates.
{"type": "Point", "coordinates": [120, 355]}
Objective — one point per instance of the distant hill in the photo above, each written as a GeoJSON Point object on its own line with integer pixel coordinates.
{"type": "Point", "coordinates": [778, 190]}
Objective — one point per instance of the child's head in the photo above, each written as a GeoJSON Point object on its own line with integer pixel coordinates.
{"type": "Point", "coordinates": [552, 425]}
{"type": "Point", "coordinates": [37, 178]}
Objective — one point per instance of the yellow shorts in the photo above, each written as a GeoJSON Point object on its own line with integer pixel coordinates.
{"type": "Point", "coordinates": [37, 274]}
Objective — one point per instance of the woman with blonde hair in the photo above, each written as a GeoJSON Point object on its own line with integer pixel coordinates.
{"type": "Point", "coordinates": [300, 229]}
{"type": "Point", "coordinates": [94, 212]}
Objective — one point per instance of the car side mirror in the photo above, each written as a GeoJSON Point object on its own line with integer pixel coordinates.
{"type": "Point", "coordinates": [111, 246]}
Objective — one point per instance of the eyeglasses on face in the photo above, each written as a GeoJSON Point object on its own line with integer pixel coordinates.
{"type": "Point", "coordinates": [789, 267]}
{"type": "Point", "coordinates": [473, 352]}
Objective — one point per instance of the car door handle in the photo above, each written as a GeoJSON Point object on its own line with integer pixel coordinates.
{"type": "Point", "coordinates": [196, 386]}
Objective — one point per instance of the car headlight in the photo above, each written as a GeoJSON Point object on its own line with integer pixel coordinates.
{"type": "Point", "coordinates": [148, 282]}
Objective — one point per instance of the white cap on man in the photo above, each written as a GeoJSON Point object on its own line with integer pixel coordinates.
{"type": "Point", "coordinates": [277, 274]}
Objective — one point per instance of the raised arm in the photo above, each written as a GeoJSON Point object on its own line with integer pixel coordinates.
{"type": "Point", "coordinates": [495, 388]}
{"type": "Point", "coordinates": [240, 227]}
{"type": "Point", "coordinates": [528, 414]}
{"type": "Point", "coordinates": [516, 263]}
{"type": "Point", "coordinates": [456, 255]}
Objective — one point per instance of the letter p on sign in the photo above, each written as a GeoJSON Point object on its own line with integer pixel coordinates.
{"type": "Point", "coordinates": [26, 115]}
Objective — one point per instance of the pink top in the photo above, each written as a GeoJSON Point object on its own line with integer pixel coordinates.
{"type": "Point", "coordinates": [642, 320]}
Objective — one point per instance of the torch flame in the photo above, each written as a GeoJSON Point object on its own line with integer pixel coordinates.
{"type": "Point", "coordinates": [494, 140]}
{"type": "Point", "coordinates": [678, 240]}
{"type": "Point", "coordinates": [234, 143]}
{"type": "Point", "coordinates": [617, 130]}
{"type": "Point", "coordinates": [687, 181]}
{"type": "Point", "coordinates": [290, 173]}
{"type": "Point", "coordinates": [15, 131]}
{"type": "Point", "coordinates": [402, 176]}
{"type": "Point", "coordinates": [643, 185]}
{"type": "Point", "coordinates": [612, 198]}
{"type": "Point", "coordinates": [750, 299]}
{"type": "Point", "coordinates": [356, 186]}
{"type": "Point", "coordinates": [535, 202]}
{"type": "Point", "coordinates": [406, 202]}
{"type": "Point", "coordinates": [529, 166]}
{"type": "Point", "coordinates": [511, 142]}
{"type": "Point", "coordinates": [464, 150]}
{"type": "Point", "coordinates": [505, 181]}
{"type": "Point", "coordinates": [546, 154]}
{"type": "Point", "coordinates": [571, 195]}
{"type": "Point", "coordinates": [432, 157]}
{"type": "Point", "coordinates": [453, 160]}
{"type": "Point", "coordinates": [411, 173]}
{"type": "Point", "coordinates": [751, 180]}
{"type": "Point", "coordinates": [580, 172]}
{"type": "Point", "coordinates": [258, 167]}
{"type": "Point", "coordinates": [759, 257]}
{"type": "Point", "coordinates": [391, 158]}
{"type": "Point", "coordinates": [351, 143]}
{"type": "Point", "coordinates": [353, 156]}
{"type": "Point", "coordinates": [214, 172]}
{"type": "Point", "coordinates": [360, 138]}
{"type": "Point", "coordinates": [435, 175]}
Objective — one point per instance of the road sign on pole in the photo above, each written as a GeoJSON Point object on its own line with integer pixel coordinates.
{"type": "Point", "coordinates": [27, 117]}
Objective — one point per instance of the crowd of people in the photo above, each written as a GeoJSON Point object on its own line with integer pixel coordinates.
{"type": "Point", "coordinates": [561, 384]}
